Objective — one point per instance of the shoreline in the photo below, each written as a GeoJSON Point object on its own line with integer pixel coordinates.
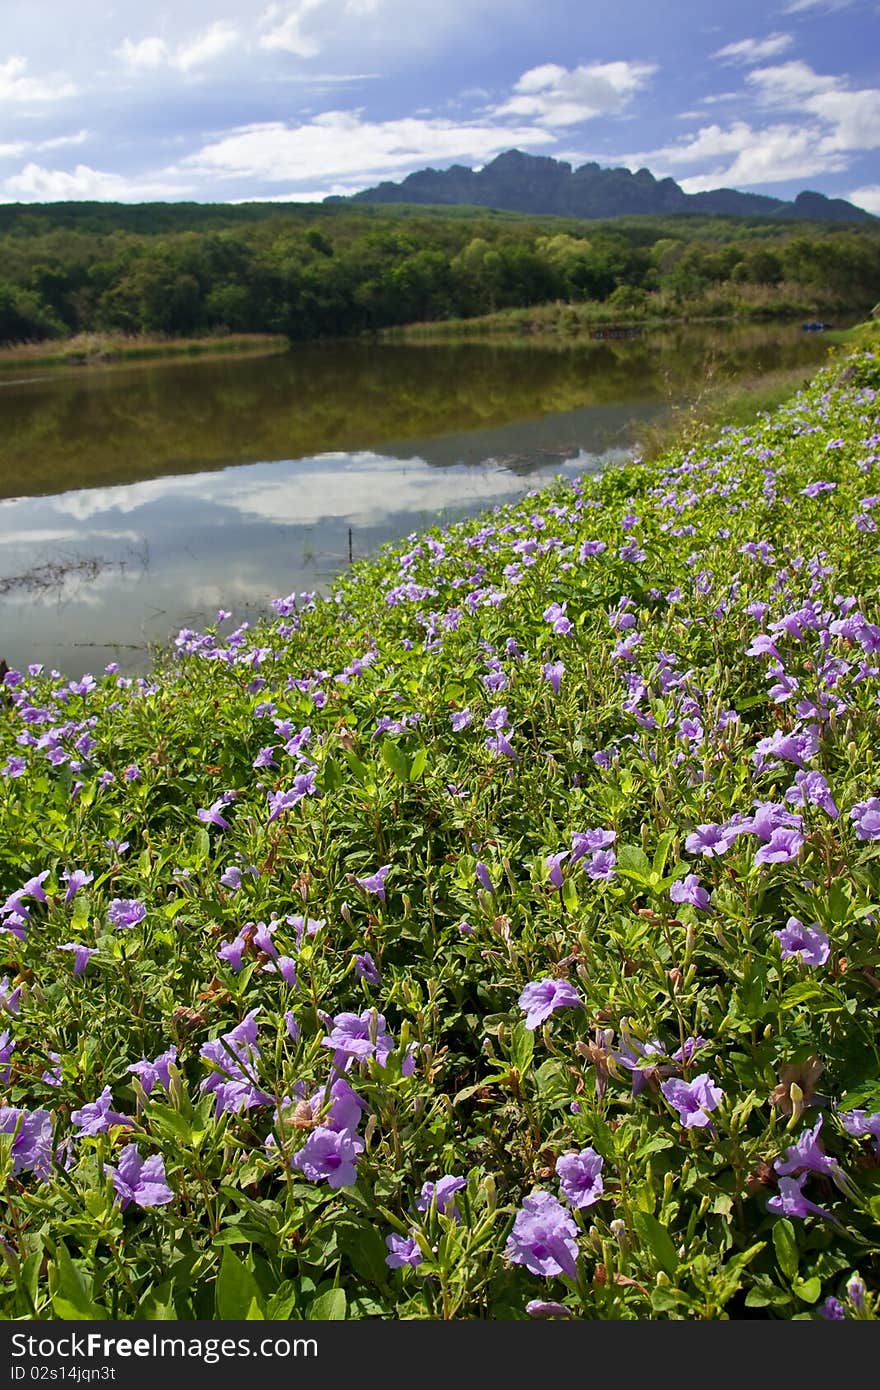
{"type": "Point", "coordinates": [109, 350]}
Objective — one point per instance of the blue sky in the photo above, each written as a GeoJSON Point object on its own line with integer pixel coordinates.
{"type": "Point", "coordinates": [224, 100]}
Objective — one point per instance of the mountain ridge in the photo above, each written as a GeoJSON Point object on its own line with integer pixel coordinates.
{"type": "Point", "coordinates": [519, 182]}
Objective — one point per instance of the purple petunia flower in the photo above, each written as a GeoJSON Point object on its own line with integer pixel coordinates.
{"type": "Point", "coordinates": [541, 1308]}
{"type": "Point", "coordinates": [358, 1037]}
{"type": "Point", "coordinates": [790, 1200]}
{"type": "Point", "coordinates": [126, 912]}
{"type": "Point", "coordinates": [97, 1117]}
{"type": "Point", "coordinates": [580, 1177]}
{"type": "Point", "coordinates": [484, 878]}
{"type": "Point", "coordinates": [52, 1075]}
{"type": "Point", "coordinates": [783, 846]}
{"type": "Point", "coordinates": [806, 1156]}
{"type": "Point", "coordinates": [601, 865]}
{"type": "Point", "coordinates": [366, 969]}
{"type": "Point", "coordinates": [234, 1058]}
{"type": "Point", "coordinates": [543, 1237]}
{"type": "Point", "coordinates": [131, 773]}
{"type": "Point", "coordinates": [866, 816]}
{"type": "Point", "coordinates": [832, 1309]}
{"type": "Point", "coordinates": [692, 1099]}
{"type": "Point", "coordinates": [810, 943]}
{"type": "Point", "coordinates": [285, 966]}
{"type": "Point", "coordinates": [554, 867]}
{"type": "Point", "coordinates": [155, 1073]}
{"type": "Point", "coordinates": [689, 890]}
{"type": "Point", "coordinates": [303, 785]}
{"type": "Point", "coordinates": [811, 789]}
{"type": "Point", "coordinates": [459, 720]}
{"type": "Point", "coordinates": [442, 1194]}
{"type": "Point", "coordinates": [9, 998]}
{"type": "Point", "coordinates": [588, 841]}
{"type": "Point", "coordinates": [710, 840]}
{"type": "Point", "coordinates": [541, 998]}
{"type": "Point", "coordinates": [553, 671]}
{"type": "Point", "coordinates": [83, 954]}
{"type": "Point", "coordinates": [32, 1145]}
{"type": "Point", "coordinates": [231, 878]}
{"type": "Point", "coordinates": [859, 1123]}
{"type": "Point", "coordinates": [75, 880]}
{"type": "Point", "coordinates": [212, 815]}
{"type": "Point", "coordinates": [404, 1250]}
{"type": "Point", "coordinates": [139, 1180]}
{"type": "Point", "coordinates": [329, 1155]}
{"type": "Point", "coordinates": [375, 883]}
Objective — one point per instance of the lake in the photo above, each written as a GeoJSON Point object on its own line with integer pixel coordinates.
{"type": "Point", "coordinates": [138, 500]}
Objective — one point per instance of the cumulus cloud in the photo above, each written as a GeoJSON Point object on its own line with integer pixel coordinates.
{"type": "Point", "coordinates": [16, 86]}
{"type": "Point", "coordinates": [282, 28]}
{"type": "Point", "coordinates": [37, 184]}
{"type": "Point", "coordinates": [151, 53]}
{"type": "Point", "coordinates": [556, 96]}
{"type": "Point", "coordinates": [340, 144]}
{"type": "Point", "coordinates": [754, 50]}
{"type": "Point", "coordinates": [867, 198]}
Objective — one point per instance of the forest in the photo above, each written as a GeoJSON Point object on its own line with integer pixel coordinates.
{"type": "Point", "coordinates": [316, 271]}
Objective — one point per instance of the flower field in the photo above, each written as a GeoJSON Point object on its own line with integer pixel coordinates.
{"type": "Point", "coordinates": [497, 938]}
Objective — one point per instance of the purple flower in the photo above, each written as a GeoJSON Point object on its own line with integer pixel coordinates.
{"type": "Point", "coordinates": [497, 719]}
{"type": "Point", "coordinates": [710, 840]}
{"type": "Point", "coordinates": [9, 998]}
{"type": "Point", "coordinates": [692, 1099]}
{"type": "Point", "coordinates": [554, 867]}
{"type": "Point", "coordinates": [811, 788]}
{"type": "Point", "coordinates": [234, 1058]}
{"type": "Point", "coordinates": [555, 615]}
{"type": "Point", "coordinates": [366, 969]}
{"type": "Point", "coordinates": [790, 1200]}
{"type": "Point", "coordinates": [336, 1107]}
{"type": "Point", "coordinates": [541, 1308]}
{"type": "Point", "coordinates": [783, 846]}
{"type": "Point", "coordinates": [52, 1075]}
{"type": "Point", "coordinates": [601, 865]}
{"type": "Point", "coordinates": [97, 1117]}
{"type": "Point", "coordinates": [32, 1145]}
{"type": "Point", "coordinates": [484, 878]}
{"type": "Point", "coordinates": [541, 998]}
{"type": "Point", "coordinates": [329, 1154]}
{"type": "Point", "coordinates": [212, 815]}
{"type": "Point", "coordinates": [806, 1156]}
{"type": "Point", "coordinates": [75, 880]}
{"type": "Point", "coordinates": [231, 878]}
{"type": "Point", "coordinates": [553, 672]}
{"type": "Point", "coordinates": [155, 1073]}
{"type": "Point", "coordinates": [375, 883]}
{"type": "Point", "coordinates": [82, 957]}
{"type": "Point", "coordinates": [832, 1309]}
{"type": "Point", "coordinates": [359, 1037]}
{"type": "Point", "coordinates": [132, 773]}
{"type": "Point", "coordinates": [587, 841]}
{"type": "Point", "coordinates": [126, 912]}
{"type": "Point", "coordinates": [810, 943]}
{"type": "Point", "coordinates": [303, 785]}
{"type": "Point", "coordinates": [291, 1025]}
{"type": "Point", "coordinates": [859, 1123]}
{"type": "Point", "coordinates": [459, 720]}
{"type": "Point", "coordinates": [543, 1237]}
{"type": "Point", "coordinates": [442, 1194]}
{"type": "Point", "coordinates": [689, 890]}
{"type": "Point", "coordinates": [866, 815]}
{"type": "Point", "coordinates": [232, 952]}
{"type": "Point", "coordinates": [139, 1180]}
{"type": "Point", "coordinates": [404, 1251]}
{"type": "Point", "coordinates": [285, 966]}
{"type": "Point", "coordinates": [580, 1177]}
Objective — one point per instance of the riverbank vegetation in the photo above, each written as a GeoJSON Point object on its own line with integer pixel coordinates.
{"type": "Point", "coordinates": [103, 349]}
{"type": "Point", "coordinates": [495, 938]}
{"type": "Point", "coordinates": [329, 271]}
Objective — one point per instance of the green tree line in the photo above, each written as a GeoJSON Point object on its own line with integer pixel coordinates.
{"type": "Point", "coordinates": [314, 272]}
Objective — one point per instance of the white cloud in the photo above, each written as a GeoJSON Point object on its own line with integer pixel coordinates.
{"type": "Point", "coordinates": [341, 144]}
{"type": "Point", "coordinates": [149, 54]}
{"type": "Point", "coordinates": [59, 142]}
{"type": "Point", "coordinates": [770, 154]}
{"type": "Point", "coordinates": [852, 118]}
{"type": "Point", "coordinates": [283, 29]}
{"type": "Point", "coordinates": [800, 6]}
{"type": "Point", "coordinates": [12, 151]}
{"type": "Point", "coordinates": [16, 86]}
{"type": "Point", "coordinates": [215, 41]}
{"type": "Point", "coordinates": [754, 50]}
{"type": "Point", "coordinates": [556, 96]}
{"type": "Point", "coordinates": [867, 197]}
{"type": "Point", "coordinates": [36, 184]}
{"type": "Point", "coordinates": [789, 84]}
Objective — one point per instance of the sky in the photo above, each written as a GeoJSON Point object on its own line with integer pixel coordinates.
{"type": "Point", "coordinates": [228, 101]}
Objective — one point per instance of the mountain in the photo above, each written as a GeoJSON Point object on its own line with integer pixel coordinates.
{"type": "Point", "coordinates": [539, 184]}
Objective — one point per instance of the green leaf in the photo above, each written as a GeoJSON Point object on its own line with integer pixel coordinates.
{"type": "Point", "coordinates": [201, 844]}
{"type": "Point", "coordinates": [569, 895]}
{"type": "Point", "coordinates": [236, 1288]}
{"type": "Point", "coordinates": [657, 1239]}
{"type": "Point", "coordinates": [808, 1290]}
{"type": "Point", "coordinates": [328, 1307]}
{"type": "Point", "coordinates": [785, 1245]}
{"type": "Point", "coordinates": [72, 1293]}
{"type": "Point", "coordinates": [360, 770]}
{"type": "Point", "coordinates": [419, 763]}
{"type": "Point", "coordinates": [634, 862]}
{"type": "Point", "coordinates": [394, 758]}
{"type": "Point", "coordinates": [522, 1047]}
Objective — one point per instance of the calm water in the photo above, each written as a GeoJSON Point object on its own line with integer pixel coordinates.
{"type": "Point", "coordinates": [139, 500]}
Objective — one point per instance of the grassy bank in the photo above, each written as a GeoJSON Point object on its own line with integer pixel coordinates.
{"type": "Point", "coordinates": [101, 349]}
{"type": "Point", "coordinates": [497, 937]}
{"type": "Point", "coordinates": [564, 324]}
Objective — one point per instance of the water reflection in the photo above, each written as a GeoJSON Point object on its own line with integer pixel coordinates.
{"type": "Point", "coordinates": [139, 500]}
